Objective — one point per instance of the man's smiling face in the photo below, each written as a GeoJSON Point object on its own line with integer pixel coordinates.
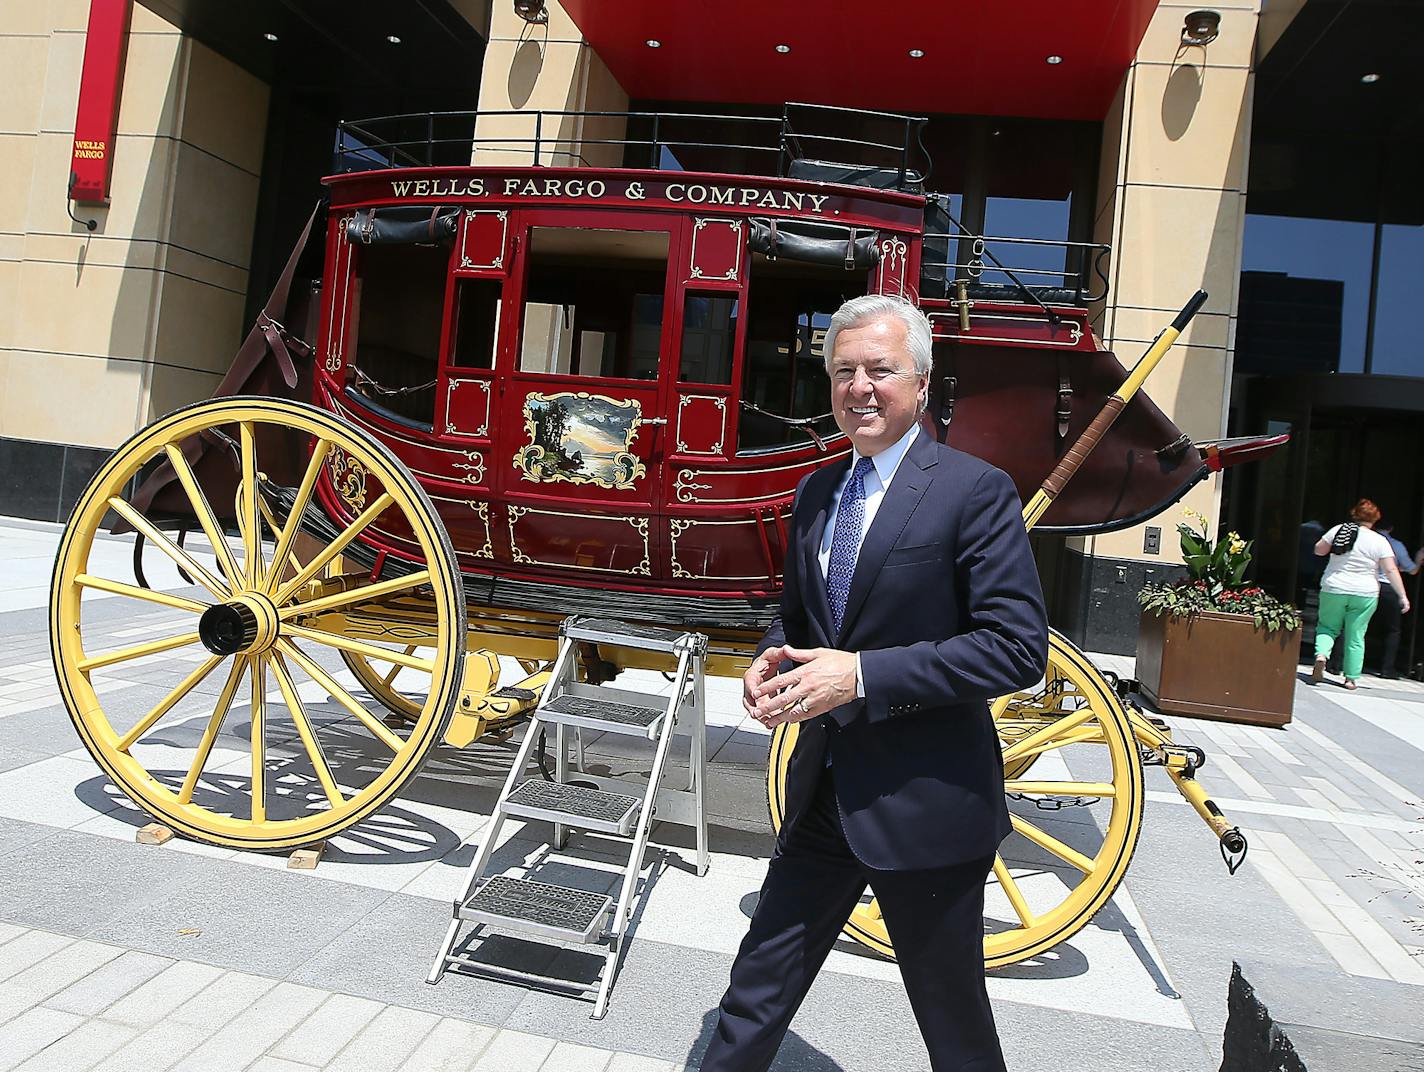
{"type": "Point", "coordinates": [875, 390]}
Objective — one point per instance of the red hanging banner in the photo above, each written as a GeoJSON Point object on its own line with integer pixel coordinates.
{"type": "Point", "coordinates": [98, 113]}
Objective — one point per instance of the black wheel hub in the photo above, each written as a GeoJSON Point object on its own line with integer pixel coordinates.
{"type": "Point", "coordinates": [227, 628]}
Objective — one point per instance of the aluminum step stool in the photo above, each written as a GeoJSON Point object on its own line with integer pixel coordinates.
{"type": "Point", "coordinates": [619, 808]}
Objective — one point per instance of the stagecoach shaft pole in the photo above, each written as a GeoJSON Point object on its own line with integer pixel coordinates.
{"type": "Point", "coordinates": [1078, 453]}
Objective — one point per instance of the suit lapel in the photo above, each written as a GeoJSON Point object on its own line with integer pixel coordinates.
{"type": "Point", "coordinates": [903, 495]}
{"type": "Point", "coordinates": [817, 601]}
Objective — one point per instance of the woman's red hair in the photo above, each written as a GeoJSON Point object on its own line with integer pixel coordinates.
{"type": "Point", "coordinates": [1365, 512]}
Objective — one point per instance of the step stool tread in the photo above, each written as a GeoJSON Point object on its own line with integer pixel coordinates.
{"type": "Point", "coordinates": [523, 900]}
{"type": "Point", "coordinates": [610, 711]}
{"type": "Point", "coordinates": [576, 800]}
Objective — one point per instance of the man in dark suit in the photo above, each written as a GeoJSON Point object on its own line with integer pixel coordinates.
{"type": "Point", "coordinates": [911, 600]}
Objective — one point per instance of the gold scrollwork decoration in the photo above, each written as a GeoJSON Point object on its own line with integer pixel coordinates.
{"type": "Point", "coordinates": [640, 525]}
{"type": "Point", "coordinates": [678, 527]}
{"type": "Point", "coordinates": [451, 428]}
{"type": "Point", "coordinates": [685, 485]}
{"type": "Point", "coordinates": [474, 466]}
{"type": "Point", "coordinates": [348, 478]}
{"type": "Point", "coordinates": [581, 438]}
{"type": "Point", "coordinates": [482, 509]}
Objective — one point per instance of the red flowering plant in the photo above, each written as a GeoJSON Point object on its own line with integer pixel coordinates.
{"type": "Point", "coordinates": [1213, 582]}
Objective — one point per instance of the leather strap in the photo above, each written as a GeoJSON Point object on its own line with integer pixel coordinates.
{"type": "Point", "coordinates": [1064, 412]}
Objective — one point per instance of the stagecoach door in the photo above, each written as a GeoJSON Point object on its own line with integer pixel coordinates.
{"type": "Point", "coordinates": [583, 412]}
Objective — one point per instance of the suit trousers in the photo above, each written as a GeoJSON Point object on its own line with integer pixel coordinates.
{"type": "Point", "coordinates": [935, 919]}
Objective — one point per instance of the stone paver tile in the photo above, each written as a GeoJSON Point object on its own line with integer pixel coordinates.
{"type": "Point", "coordinates": [57, 971]}
{"type": "Point", "coordinates": [452, 1047]}
{"type": "Point", "coordinates": [320, 1037]}
{"type": "Point", "coordinates": [571, 1057]}
{"type": "Point", "coordinates": [276, 1064]}
{"type": "Point", "coordinates": [157, 1048]}
{"type": "Point", "coordinates": [29, 948]}
{"type": "Point", "coordinates": [514, 1051]}
{"type": "Point", "coordinates": [89, 1042]}
{"type": "Point", "coordinates": [8, 931]}
{"type": "Point", "coordinates": [158, 997]}
{"type": "Point", "coordinates": [31, 1031]}
{"type": "Point", "coordinates": [256, 1028]}
{"type": "Point", "coordinates": [386, 1041]}
{"type": "Point", "coordinates": [636, 1062]}
{"type": "Point", "coordinates": [221, 1000]}
{"type": "Point", "coordinates": [94, 993]}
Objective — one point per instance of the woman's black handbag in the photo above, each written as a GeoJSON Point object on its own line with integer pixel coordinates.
{"type": "Point", "coordinates": [1344, 538]}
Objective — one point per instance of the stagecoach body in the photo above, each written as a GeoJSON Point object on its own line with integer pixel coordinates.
{"type": "Point", "coordinates": [525, 392]}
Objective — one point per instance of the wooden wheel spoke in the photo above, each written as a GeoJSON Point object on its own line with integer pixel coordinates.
{"type": "Point", "coordinates": [203, 510]}
{"type": "Point", "coordinates": [148, 595]}
{"type": "Point", "coordinates": [137, 651]}
{"type": "Point", "coordinates": [1047, 733]}
{"type": "Point", "coordinates": [168, 547]}
{"type": "Point", "coordinates": [1049, 843]}
{"type": "Point", "coordinates": [167, 703]}
{"type": "Point", "coordinates": [304, 731]}
{"type": "Point", "coordinates": [1065, 789]}
{"type": "Point", "coordinates": [288, 534]}
{"type": "Point", "coordinates": [383, 503]}
{"type": "Point", "coordinates": [259, 741]}
{"type": "Point", "coordinates": [1010, 886]}
{"type": "Point", "coordinates": [396, 668]}
{"type": "Point", "coordinates": [210, 732]}
{"type": "Point", "coordinates": [358, 647]}
{"type": "Point", "coordinates": [340, 695]}
{"type": "Point", "coordinates": [358, 595]}
{"type": "Point", "coordinates": [1081, 735]}
{"type": "Point", "coordinates": [249, 520]}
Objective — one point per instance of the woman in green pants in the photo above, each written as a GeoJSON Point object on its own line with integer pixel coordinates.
{"type": "Point", "coordinates": [1349, 590]}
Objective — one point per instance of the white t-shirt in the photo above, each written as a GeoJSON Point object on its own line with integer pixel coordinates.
{"type": "Point", "coordinates": [1356, 572]}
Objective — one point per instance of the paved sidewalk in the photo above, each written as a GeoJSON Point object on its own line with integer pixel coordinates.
{"type": "Point", "coordinates": [209, 958]}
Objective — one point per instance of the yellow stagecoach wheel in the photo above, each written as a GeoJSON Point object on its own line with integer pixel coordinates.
{"type": "Point", "coordinates": [380, 680]}
{"type": "Point", "coordinates": [1075, 825]}
{"type": "Point", "coordinates": [228, 721]}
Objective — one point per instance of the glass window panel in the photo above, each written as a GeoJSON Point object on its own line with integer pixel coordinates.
{"type": "Point", "coordinates": [1398, 345]}
{"type": "Point", "coordinates": [476, 322]}
{"type": "Point", "coordinates": [1039, 262]}
{"type": "Point", "coordinates": [594, 302]}
{"type": "Point", "coordinates": [709, 336]}
{"type": "Point", "coordinates": [1319, 266]}
{"type": "Point", "coordinates": [400, 300]}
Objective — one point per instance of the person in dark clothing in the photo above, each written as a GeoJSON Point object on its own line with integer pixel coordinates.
{"type": "Point", "coordinates": [1391, 613]}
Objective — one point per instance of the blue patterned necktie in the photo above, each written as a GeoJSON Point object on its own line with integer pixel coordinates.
{"type": "Point", "coordinates": [845, 541]}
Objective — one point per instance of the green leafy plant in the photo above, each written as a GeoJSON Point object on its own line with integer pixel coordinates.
{"type": "Point", "coordinates": [1213, 582]}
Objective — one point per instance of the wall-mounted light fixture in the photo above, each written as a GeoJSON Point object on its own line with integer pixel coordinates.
{"type": "Point", "coordinates": [1201, 27]}
{"type": "Point", "coordinates": [532, 11]}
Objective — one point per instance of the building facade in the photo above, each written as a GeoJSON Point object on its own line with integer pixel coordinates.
{"type": "Point", "coordinates": [1074, 123]}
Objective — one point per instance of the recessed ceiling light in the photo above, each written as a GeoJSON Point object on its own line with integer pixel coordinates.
{"type": "Point", "coordinates": [653, 44]}
{"type": "Point", "coordinates": [783, 49]}
{"type": "Point", "coordinates": [270, 36]}
{"type": "Point", "coordinates": [916, 53]}
{"type": "Point", "coordinates": [1369, 79]}
{"type": "Point", "coordinates": [1055, 60]}
{"type": "Point", "coordinates": [393, 39]}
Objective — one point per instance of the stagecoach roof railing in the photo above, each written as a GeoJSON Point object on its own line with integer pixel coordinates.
{"type": "Point", "coordinates": [1084, 268]}
{"type": "Point", "coordinates": [388, 141]}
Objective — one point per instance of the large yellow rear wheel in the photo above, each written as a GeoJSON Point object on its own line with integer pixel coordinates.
{"type": "Point", "coordinates": [221, 711]}
{"type": "Point", "coordinates": [1075, 823]}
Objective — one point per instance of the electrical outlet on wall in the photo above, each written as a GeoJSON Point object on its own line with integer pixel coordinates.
{"type": "Point", "coordinates": [1152, 540]}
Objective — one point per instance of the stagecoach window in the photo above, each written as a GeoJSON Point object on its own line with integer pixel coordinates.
{"type": "Point", "coordinates": [789, 306]}
{"type": "Point", "coordinates": [709, 335]}
{"type": "Point", "coordinates": [476, 322]}
{"type": "Point", "coordinates": [594, 302]}
{"type": "Point", "coordinates": [400, 296]}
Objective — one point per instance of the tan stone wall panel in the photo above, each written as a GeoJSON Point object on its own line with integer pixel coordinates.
{"type": "Point", "coordinates": [225, 110]}
{"type": "Point", "coordinates": [199, 326]}
{"type": "Point", "coordinates": [173, 388]}
{"type": "Point", "coordinates": [100, 399]}
{"type": "Point", "coordinates": [214, 205]}
{"type": "Point", "coordinates": [93, 310]}
{"type": "Point", "coordinates": [138, 191]}
{"type": "Point", "coordinates": [506, 25]}
{"type": "Point", "coordinates": [23, 59]}
{"type": "Point", "coordinates": [1139, 327]}
{"type": "Point", "coordinates": [1191, 126]}
{"type": "Point", "coordinates": [16, 176]}
{"type": "Point", "coordinates": [1173, 241]}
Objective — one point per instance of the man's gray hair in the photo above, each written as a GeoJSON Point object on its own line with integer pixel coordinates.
{"type": "Point", "coordinates": [919, 339]}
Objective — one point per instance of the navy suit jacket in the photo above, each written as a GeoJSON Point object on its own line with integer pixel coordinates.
{"type": "Point", "coordinates": [946, 611]}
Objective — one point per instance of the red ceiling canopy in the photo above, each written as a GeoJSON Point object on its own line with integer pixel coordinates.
{"type": "Point", "coordinates": [987, 58]}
